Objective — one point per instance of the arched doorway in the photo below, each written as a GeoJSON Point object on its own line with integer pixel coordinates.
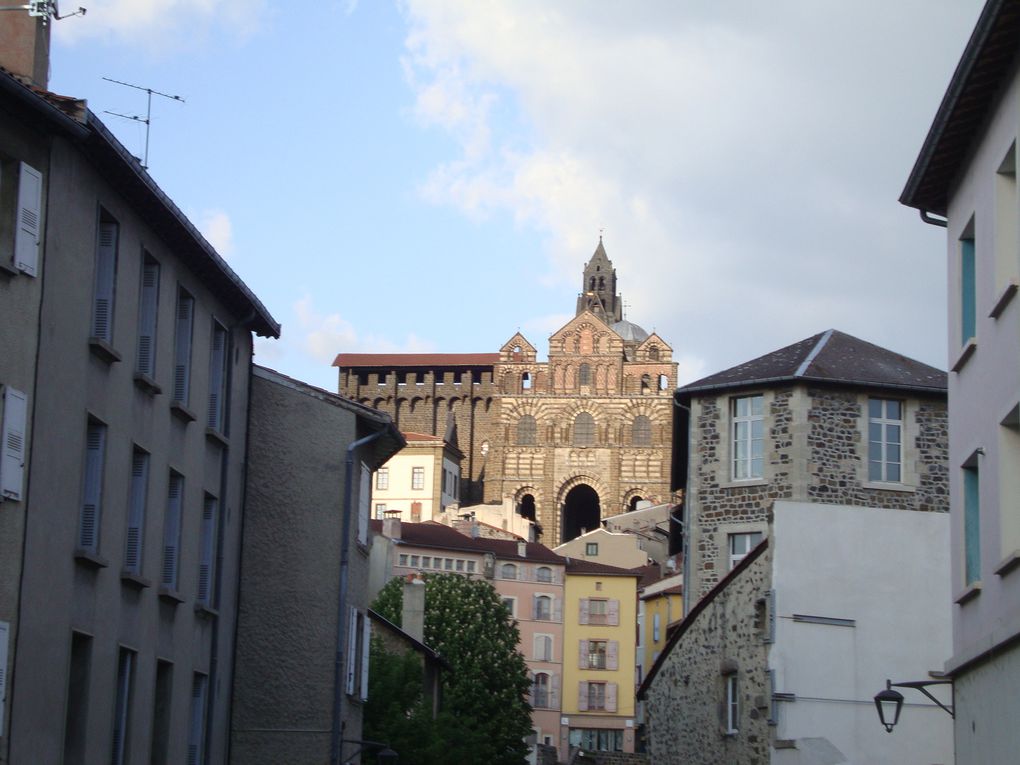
{"type": "Point", "coordinates": [580, 511]}
{"type": "Point", "coordinates": [633, 503]}
{"type": "Point", "coordinates": [526, 507]}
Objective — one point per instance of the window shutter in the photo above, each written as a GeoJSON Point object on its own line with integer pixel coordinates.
{"type": "Point", "coordinates": [582, 654]}
{"type": "Point", "coordinates": [88, 529]}
{"type": "Point", "coordinates": [582, 617]}
{"type": "Point", "coordinates": [610, 697]}
{"type": "Point", "coordinates": [366, 642]}
{"type": "Point", "coordinates": [770, 606]}
{"type": "Point", "coordinates": [5, 630]}
{"type": "Point", "coordinates": [182, 347]}
{"type": "Point", "coordinates": [205, 566]}
{"type": "Point", "coordinates": [136, 512]}
{"type": "Point", "coordinates": [122, 705]}
{"type": "Point", "coordinates": [148, 302]}
{"type": "Point", "coordinates": [582, 696]}
{"type": "Point", "coordinates": [26, 235]}
{"type": "Point", "coordinates": [612, 655]}
{"type": "Point", "coordinates": [195, 732]}
{"type": "Point", "coordinates": [364, 500]}
{"type": "Point", "coordinates": [554, 691]}
{"type": "Point", "coordinates": [217, 357]}
{"type": "Point", "coordinates": [106, 267]}
{"type": "Point", "coordinates": [613, 613]}
{"type": "Point", "coordinates": [172, 531]}
{"type": "Point", "coordinates": [557, 613]}
{"type": "Point", "coordinates": [534, 606]}
{"type": "Point", "coordinates": [352, 643]}
{"type": "Point", "coordinates": [12, 459]}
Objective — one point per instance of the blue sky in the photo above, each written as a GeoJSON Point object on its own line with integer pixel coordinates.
{"type": "Point", "coordinates": [431, 176]}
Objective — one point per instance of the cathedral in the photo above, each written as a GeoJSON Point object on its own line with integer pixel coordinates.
{"type": "Point", "coordinates": [572, 440]}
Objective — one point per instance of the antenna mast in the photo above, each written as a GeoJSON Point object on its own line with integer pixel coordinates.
{"type": "Point", "coordinates": [148, 111]}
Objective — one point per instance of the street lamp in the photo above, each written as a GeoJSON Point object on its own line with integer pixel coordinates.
{"type": "Point", "coordinates": [889, 703]}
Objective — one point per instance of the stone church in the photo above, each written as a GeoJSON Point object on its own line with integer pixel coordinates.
{"type": "Point", "coordinates": [583, 436]}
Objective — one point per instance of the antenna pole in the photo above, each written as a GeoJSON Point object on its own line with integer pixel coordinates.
{"type": "Point", "coordinates": [148, 111]}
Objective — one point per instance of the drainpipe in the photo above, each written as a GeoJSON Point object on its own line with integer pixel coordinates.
{"type": "Point", "coordinates": [928, 218]}
{"type": "Point", "coordinates": [341, 606]}
{"type": "Point", "coordinates": [685, 524]}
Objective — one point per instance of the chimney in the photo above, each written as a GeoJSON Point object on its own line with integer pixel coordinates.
{"type": "Point", "coordinates": [391, 528]}
{"type": "Point", "coordinates": [413, 613]}
{"type": "Point", "coordinates": [25, 46]}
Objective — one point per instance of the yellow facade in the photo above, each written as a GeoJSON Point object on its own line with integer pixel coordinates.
{"type": "Point", "coordinates": [660, 610]}
{"type": "Point", "coordinates": [599, 657]}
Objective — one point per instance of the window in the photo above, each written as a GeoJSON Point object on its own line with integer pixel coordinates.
{"type": "Point", "coordinates": [148, 305]}
{"type": "Point", "coordinates": [971, 524]}
{"type": "Point", "coordinates": [25, 216]}
{"type": "Point", "coordinates": [172, 532]}
{"type": "Point", "coordinates": [12, 449]}
{"type": "Point", "coordinates": [543, 646]}
{"type": "Point", "coordinates": [597, 739]}
{"type": "Point", "coordinates": [161, 704]}
{"type": "Point", "coordinates": [417, 478]}
{"type": "Point", "coordinates": [358, 643]}
{"type": "Point", "coordinates": [885, 440]}
{"type": "Point", "coordinates": [584, 374]}
{"type": "Point", "coordinates": [732, 706]}
{"type": "Point", "coordinates": [596, 696]}
{"type": "Point", "coordinates": [471, 567]}
{"type": "Point", "coordinates": [600, 611]}
{"type": "Point", "coordinates": [527, 431]}
{"type": "Point", "coordinates": [653, 353]}
{"type": "Point", "coordinates": [382, 478]}
{"type": "Point", "coordinates": [591, 548]}
{"type": "Point", "coordinates": [642, 431]}
{"type": "Point", "coordinates": [584, 430]}
{"type": "Point", "coordinates": [511, 605]}
{"type": "Point", "coordinates": [122, 707]}
{"type": "Point", "coordinates": [748, 437]}
{"type": "Point", "coordinates": [460, 565]}
{"type": "Point", "coordinates": [196, 726]}
{"type": "Point", "coordinates": [543, 574]}
{"type": "Point", "coordinates": [403, 559]}
{"type": "Point", "coordinates": [543, 608]}
{"type": "Point", "coordinates": [185, 317]}
{"type": "Point", "coordinates": [380, 510]}
{"type": "Point", "coordinates": [656, 621]}
{"type": "Point", "coordinates": [540, 691]}
{"type": "Point", "coordinates": [508, 571]}
{"type": "Point", "coordinates": [596, 654]}
{"type": "Point", "coordinates": [741, 544]}
{"type": "Point", "coordinates": [1006, 229]}
{"type": "Point", "coordinates": [137, 500]}
{"type": "Point", "coordinates": [426, 561]}
{"type": "Point", "coordinates": [103, 287]}
{"type": "Point", "coordinates": [207, 551]}
{"type": "Point", "coordinates": [968, 289]}
{"type": "Point", "coordinates": [92, 487]}
{"type": "Point", "coordinates": [218, 379]}
{"type": "Point", "coordinates": [77, 706]}
{"type": "Point", "coordinates": [448, 564]}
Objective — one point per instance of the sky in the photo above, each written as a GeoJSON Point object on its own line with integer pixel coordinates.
{"type": "Point", "coordinates": [432, 176]}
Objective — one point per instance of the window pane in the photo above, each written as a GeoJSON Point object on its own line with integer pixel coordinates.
{"type": "Point", "coordinates": [874, 470]}
{"type": "Point", "coordinates": [892, 434]}
{"type": "Point", "coordinates": [893, 473]}
{"type": "Point", "coordinates": [757, 405]}
{"type": "Point", "coordinates": [874, 408]}
{"type": "Point", "coordinates": [892, 410]}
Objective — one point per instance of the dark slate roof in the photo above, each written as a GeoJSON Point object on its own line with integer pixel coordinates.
{"type": "Point", "coordinates": [629, 331]}
{"type": "Point", "coordinates": [981, 74]}
{"type": "Point", "coordinates": [832, 357]}
{"type": "Point", "coordinates": [578, 566]}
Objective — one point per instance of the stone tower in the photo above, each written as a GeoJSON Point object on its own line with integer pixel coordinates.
{"type": "Point", "coordinates": [598, 288]}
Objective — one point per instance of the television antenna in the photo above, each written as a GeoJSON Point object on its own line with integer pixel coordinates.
{"type": "Point", "coordinates": [148, 111]}
{"type": "Point", "coordinates": [43, 9]}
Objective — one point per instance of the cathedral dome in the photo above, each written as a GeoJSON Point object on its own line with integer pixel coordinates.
{"type": "Point", "coordinates": [629, 331]}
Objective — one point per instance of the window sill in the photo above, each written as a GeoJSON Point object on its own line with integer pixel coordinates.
{"type": "Point", "coordinates": [211, 434]}
{"type": "Point", "coordinates": [969, 593]}
{"type": "Point", "coordinates": [1004, 299]}
{"type": "Point", "coordinates": [170, 596]}
{"type": "Point", "coordinates": [965, 354]}
{"type": "Point", "coordinates": [890, 486]}
{"type": "Point", "coordinates": [103, 350]}
{"type": "Point", "coordinates": [1008, 563]}
{"type": "Point", "coordinates": [137, 581]}
{"type": "Point", "coordinates": [181, 412]}
{"type": "Point", "coordinates": [90, 559]}
{"type": "Point", "coordinates": [738, 484]}
{"type": "Point", "coordinates": [145, 383]}
{"type": "Point", "coordinates": [206, 611]}
{"type": "Point", "coordinates": [8, 269]}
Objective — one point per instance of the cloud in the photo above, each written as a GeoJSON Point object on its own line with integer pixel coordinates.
{"type": "Point", "coordinates": [216, 227]}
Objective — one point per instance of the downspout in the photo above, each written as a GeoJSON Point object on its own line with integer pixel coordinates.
{"type": "Point", "coordinates": [685, 524]}
{"type": "Point", "coordinates": [928, 218]}
{"type": "Point", "coordinates": [341, 606]}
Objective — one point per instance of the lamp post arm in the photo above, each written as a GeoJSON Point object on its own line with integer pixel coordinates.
{"type": "Point", "coordinates": [922, 686]}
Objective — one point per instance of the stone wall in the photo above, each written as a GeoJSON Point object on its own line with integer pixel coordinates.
{"type": "Point", "coordinates": [685, 702]}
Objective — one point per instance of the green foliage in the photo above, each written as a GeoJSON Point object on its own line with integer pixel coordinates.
{"type": "Point", "coordinates": [485, 713]}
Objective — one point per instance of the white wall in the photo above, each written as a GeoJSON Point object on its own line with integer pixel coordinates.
{"type": "Point", "coordinates": [887, 570]}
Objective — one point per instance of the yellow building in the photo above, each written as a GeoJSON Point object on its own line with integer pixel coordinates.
{"type": "Point", "coordinates": [599, 657]}
{"type": "Point", "coordinates": [659, 605]}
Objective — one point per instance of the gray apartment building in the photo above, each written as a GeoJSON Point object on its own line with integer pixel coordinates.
{"type": "Point", "coordinates": [125, 356]}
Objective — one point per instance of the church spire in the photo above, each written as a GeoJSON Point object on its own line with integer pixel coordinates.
{"type": "Point", "coordinates": [598, 288]}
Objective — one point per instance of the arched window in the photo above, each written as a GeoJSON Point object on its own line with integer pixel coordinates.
{"type": "Point", "coordinates": [642, 431]}
{"type": "Point", "coordinates": [653, 353]}
{"type": "Point", "coordinates": [508, 571]}
{"type": "Point", "coordinates": [543, 608]}
{"type": "Point", "coordinates": [527, 430]}
{"type": "Point", "coordinates": [543, 648]}
{"type": "Point", "coordinates": [602, 282]}
{"type": "Point", "coordinates": [540, 691]}
{"type": "Point", "coordinates": [584, 375]}
{"type": "Point", "coordinates": [646, 383]}
{"type": "Point", "coordinates": [584, 430]}
{"type": "Point", "coordinates": [526, 381]}
{"type": "Point", "coordinates": [591, 284]}
{"type": "Point", "coordinates": [543, 574]}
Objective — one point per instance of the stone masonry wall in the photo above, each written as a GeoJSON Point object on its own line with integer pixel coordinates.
{"type": "Point", "coordinates": [685, 703]}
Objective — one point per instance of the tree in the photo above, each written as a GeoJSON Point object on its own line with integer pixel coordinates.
{"type": "Point", "coordinates": [485, 715]}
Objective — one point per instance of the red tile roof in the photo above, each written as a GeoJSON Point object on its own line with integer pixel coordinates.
{"type": "Point", "coordinates": [409, 437]}
{"type": "Point", "coordinates": [578, 566]}
{"type": "Point", "coordinates": [391, 360]}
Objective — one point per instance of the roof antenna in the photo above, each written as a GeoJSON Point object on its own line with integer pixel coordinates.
{"type": "Point", "coordinates": [148, 112]}
{"type": "Point", "coordinates": [43, 9]}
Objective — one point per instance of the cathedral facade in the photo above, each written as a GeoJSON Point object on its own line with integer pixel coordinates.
{"type": "Point", "coordinates": [572, 440]}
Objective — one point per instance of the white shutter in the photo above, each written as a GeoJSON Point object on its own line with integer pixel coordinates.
{"type": "Point", "coordinates": [88, 525]}
{"type": "Point", "coordinates": [136, 512]}
{"type": "Point", "coordinates": [582, 617]}
{"type": "Point", "coordinates": [27, 233]}
{"type": "Point", "coordinates": [182, 346]}
{"type": "Point", "coordinates": [352, 643]}
{"type": "Point", "coordinates": [366, 642]}
{"type": "Point", "coordinates": [613, 655]}
{"type": "Point", "coordinates": [364, 501]}
{"type": "Point", "coordinates": [610, 697]}
{"type": "Point", "coordinates": [172, 531]}
{"type": "Point", "coordinates": [12, 458]}
{"type": "Point", "coordinates": [613, 613]}
{"type": "Point", "coordinates": [554, 691]}
{"type": "Point", "coordinates": [557, 613]}
{"type": "Point", "coordinates": [5, 631]}
{"type": "Point", "coordinates": [205, 566]}
{"type": "Point", "coordinates": [106, 270]}
{"type": "Point", "coordinates": [147, 308]}
{"type": "Point", "coordinates": [582, 696]}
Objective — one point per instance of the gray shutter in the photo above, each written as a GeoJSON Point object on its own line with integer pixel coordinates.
{"type": "Point", "coordinates": [352, 645]}
{"type": "Point", "coordinates": [582, 696]}
{"type": "Point", "coordinates": [610, 697]}
{"type": "Point", "coordinates": [5, 631]}
{"type": "Point", "coordinates": [182, 346]}
{"type": "Point", "coordinates": [196, 755]}
{"type": "Point", "coordinates": [582, 654]}
{"type": "Point", "coordinates": [122, 706]}
{"type": "Point", "coordinates": [12, 457]}
{"type": "Point", "coordinates": [582, 617]}
{"type": "Point", "coordinates": [217, 360]}
{"type": "Point", "coordinates": [613, 613]}
{"type": "Point", "coordinates": [613, 655]}
{"type": "Point", "coordinates": [172, 531]}
{"type": "Point", "coordinates": [534, 606]}
{"type": "Point", "coordinates": [106, 271]}
{"type": "Point", "coordinates": [205, 566]}
{"type": "Point", "coordinates": [557, 613]}
{"type": "Point", "coordinates": [147, 308]}
{"type": "Point", "coordinates": [26, 235]}
{"type": "Point", "coordinates": [136, 512]}
{"type": "Point", "coordinates": [88, 526]}
{"type": "Point", "coordinates": [770, 616]}
{"type": "Point", "coordinates": [554, 691]}
{"type": "Point", "coordinates": [364, 503]}
{"type": "Point", "coordinates": [366, 645]}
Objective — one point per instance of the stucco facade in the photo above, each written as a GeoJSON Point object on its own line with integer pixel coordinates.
{"type": "Point", "coordinates": [418, 482]}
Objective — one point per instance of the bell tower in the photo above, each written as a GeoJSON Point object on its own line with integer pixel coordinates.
{"type": "Point", "coordinates": [598, 288]}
